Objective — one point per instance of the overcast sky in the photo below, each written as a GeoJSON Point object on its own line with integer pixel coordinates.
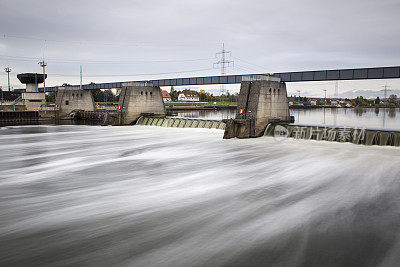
{"type": "Point", "coordinates": [130, 40]}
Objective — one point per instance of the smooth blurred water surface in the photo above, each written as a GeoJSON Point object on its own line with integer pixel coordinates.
{"type": "Point", "coordinates": [379, 118]}
{"type": "Point", "coordinates": [152, 196]}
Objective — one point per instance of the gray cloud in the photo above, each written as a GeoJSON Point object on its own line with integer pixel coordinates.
{"type": "Point", "coordinates": [264, 36]}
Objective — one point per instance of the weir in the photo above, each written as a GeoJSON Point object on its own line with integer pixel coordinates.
{"type": "Point", "coordinates": [180, 122]}
{"type": "Point", "coordinates": [334, 134]}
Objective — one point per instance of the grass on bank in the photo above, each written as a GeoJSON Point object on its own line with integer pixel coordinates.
{"type": "Point", "coordinates": [217, 103]}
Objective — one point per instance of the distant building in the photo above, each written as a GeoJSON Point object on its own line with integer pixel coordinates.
{"type": "Point", "coordinates": [313, 102]}
{"type": "Point", "coordinates": [166, 97]}
{"type": "Point", "coordinates": [188, 95]}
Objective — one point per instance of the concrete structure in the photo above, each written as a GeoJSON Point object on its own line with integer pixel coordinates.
{"type": "Point", "coordinates": [261, 100]}
{"type": "Point", "coordinates": [32, 98]}
{"type": "Point", "coordinates": [140, 99]}
{"type": "Point", "coordinates": [68, 100]}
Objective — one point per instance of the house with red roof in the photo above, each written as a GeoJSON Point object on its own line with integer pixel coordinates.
{"type": "Point", "coordinates": [166, 97]}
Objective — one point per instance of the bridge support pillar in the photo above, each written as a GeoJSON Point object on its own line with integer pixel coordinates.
{"type": "Point", "coordinates": [259, 102]}
{"type": "Point", "coordinates": [68, 100]}
{"type": "Point", "coordinates": [137, 100]}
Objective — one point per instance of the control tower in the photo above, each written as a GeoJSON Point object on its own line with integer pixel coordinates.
{"type": "Point", "coordinates": [32, 98]}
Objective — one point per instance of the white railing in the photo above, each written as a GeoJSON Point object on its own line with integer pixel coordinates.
{"type": "Point", "coordinates": [252, 78]}
{"type": "Point", "coordinates": [141, 84]}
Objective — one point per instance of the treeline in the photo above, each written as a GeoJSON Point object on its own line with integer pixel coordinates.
{"type": "Point", "coordinates": [391, 102]}
{"type": "Point", "coordinates": [98, 96]}
{"type": "Point", "coordinates": [105, 96]}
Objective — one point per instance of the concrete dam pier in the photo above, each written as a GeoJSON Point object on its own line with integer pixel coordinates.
{"type": "Point", "coordinates": [69, 100]}
{"type": "Point", "coordinates": [262, 99]}
{"type": "Point", "coordinates": [138, 99]}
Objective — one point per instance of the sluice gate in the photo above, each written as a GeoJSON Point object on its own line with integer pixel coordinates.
{"type": "Point", "coordinates": [334, 134]}
{"type": "Point", "coordinates": [181, 122]}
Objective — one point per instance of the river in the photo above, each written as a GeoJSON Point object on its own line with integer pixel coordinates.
{"type": "Point", "coordinates": [379, 118]}
{"type": "Point", "coordinates": [153, 196]}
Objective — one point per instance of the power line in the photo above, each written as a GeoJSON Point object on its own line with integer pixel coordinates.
{"type": "Point", "coordinates": [96, 43]}
{"type": "Point", "coordinates": [223, 62]}
{"type": "Point", "coordinates": [137, 74]}
{"type": "Point", "coordinates": [385, 89]}
{"type": "Point", "coordinates": [21, 58]}
{"type": "Point", "coordinates": [249, 63]}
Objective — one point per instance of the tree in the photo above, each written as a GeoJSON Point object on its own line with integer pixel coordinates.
{"type": "Point", "coordinates": [50, 97]}
{"type": "Point", "coordinates": [393, 98]}
{"type": "Point", "coordinates": [377, 101]}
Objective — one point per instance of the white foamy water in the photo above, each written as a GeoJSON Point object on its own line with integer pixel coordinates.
{"type": "Point", "coordinates": [152, 196]}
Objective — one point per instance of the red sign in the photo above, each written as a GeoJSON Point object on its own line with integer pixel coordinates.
{"type": "Point", "coordinates": [119, 107]}
{"type": "Point", "coordinates": [241, 111]}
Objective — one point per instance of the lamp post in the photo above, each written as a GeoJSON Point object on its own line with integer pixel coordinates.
{"type": "Point", "coordinates": [43, 65]}
{"type": "Point", "coordinates": [8, 70]}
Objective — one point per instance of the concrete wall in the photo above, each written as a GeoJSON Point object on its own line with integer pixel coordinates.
{"type": "Point", "coordinates": [31, 87]}
{"type": "Point", "coordinates": [11, 108]}
{"type": "Point", "coordinates": [135, 100]}
{"type": "Point", "coordinates": [263, 101]}
{"type": "Point", "coordinates": [69, 100]}
{"type": "Point", "coordinates": [33, 100]}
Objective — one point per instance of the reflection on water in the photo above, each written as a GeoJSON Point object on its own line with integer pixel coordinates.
{"type": "Point", "coordinates": [383, 118]}
{"type": "Point", "coordinates": [153, 196]}
{"type": "Point", "coordinates": [208, 114]}
{"type": "Point", "coordinates": [386, 118]}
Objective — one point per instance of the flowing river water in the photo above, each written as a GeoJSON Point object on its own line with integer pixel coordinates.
{"type": "Point", "coordinates": [153, 196]}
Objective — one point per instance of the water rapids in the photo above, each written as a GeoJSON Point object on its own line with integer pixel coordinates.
{"type": "Point", "coordinates": [152, 196]}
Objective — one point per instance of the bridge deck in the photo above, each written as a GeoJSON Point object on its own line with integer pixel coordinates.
{"type": "Point", "coordinates": [301, 76]}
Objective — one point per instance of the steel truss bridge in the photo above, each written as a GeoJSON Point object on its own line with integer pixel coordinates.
{"type": "Point", "coordinates": [300, 76]}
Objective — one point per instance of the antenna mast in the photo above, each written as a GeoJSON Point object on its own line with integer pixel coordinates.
{"type": "Point", "coordinates": [336, 89]}
{"type": "Point", "coordinates": [80, 87]}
